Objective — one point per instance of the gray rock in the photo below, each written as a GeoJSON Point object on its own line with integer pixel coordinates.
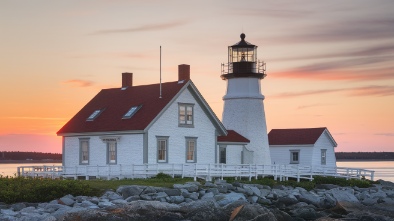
{"type": "Point", "coordinates": [132, 198]}
{"type": "Point", "coordinates": [176, 199]}
{"type": "Point", "coordinates": [327, 201]}
{"type": "Point", "coordinates": [343, 194]}
{"type": "Point", "coordinates": [209, 185]}
{"type": "Point", "coordinates": [253, 199]}
{"type": "Point", "coordinates": [264, 201]}
{"type": "Point", "coordinates": [127, 191]}
{"type": "Point", "coordinates": [149, 190]}
{"type": "Point", "coordinates": [206, 196]}
{"type": "Point", "coordinates": [255, 212]}
{"type": "Point", "coordinates": [223, 188]}
{"type": "Point", "coordinates": [119, 201]}
{"type": "Point", "coordinates": [369, 201]}
{"type": "Point", "coordinates": [230, 198]}
{"type": "Point", "coordinates": [8, 212]}
{"type": "Point", "coordinates": [66, 201]}
{"type": "Point", "coordinates": [111, 195]}
{"type": "Point", "coordinates": [193, 196]}
{"type": "Point", "coordinates": [203, 210]}
{"type": "Point", "coordinates": [18, 206]}
{"type": "Point", "coordinates": [172, 192]}
{"type": "Point", "coordinates": [264, 192]}
{"type": "Point", "coordinates": [148, 197]}
{"type": "Point", "coordinates": [191, 187]}
{"type": "Point", "coordinates": [326, 186]}
{"type": "Point", "coordinates": [307, 213]}
{"type": "Point", "coordinates": [105, 204]}
{"type": "Point", "coordinates": [279, 187]}
{"type": "Point", "coordinates": [309, 197]}
{"type": "Point", "coordinates": [288, 200]}
{"type": "Point", "coordinates": [185, 193]}
{"type": "Point", "coordinates": [215, 191]}
{"type": "Point", "coordinates": [256, 191]}
{"type": "Point", "coordinates": [88, 204]}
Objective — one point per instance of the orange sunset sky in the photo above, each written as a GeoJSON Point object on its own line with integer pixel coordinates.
{"type": "Point", "coordinates": [329, 63]}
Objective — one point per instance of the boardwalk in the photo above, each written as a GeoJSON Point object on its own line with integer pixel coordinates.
{"type": "Point", "coordinates": [203, 171]}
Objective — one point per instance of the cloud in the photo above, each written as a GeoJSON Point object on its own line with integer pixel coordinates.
{"type": "Point", "coordinates": [383, 49]}
{"type": "Point", "coordinates": [149, 27]}
{"type": "Point", "coordinates": [309, 106]}
{"type": "Point", "coordinates": [385, 134]}
{"type": "Point", "coordinates": [79, 83]}
{"type": "Point", "coordinates": [372, 91]}
{"type": "Point", "coordinates": [372, 29]}
{"type": "Point", "coordinates": [357, 91]}
{"type": "Point", "coordinates": [274, 13]}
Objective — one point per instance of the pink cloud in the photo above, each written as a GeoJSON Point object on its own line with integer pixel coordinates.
{"type": "Point", "coordinates": [79, 83]}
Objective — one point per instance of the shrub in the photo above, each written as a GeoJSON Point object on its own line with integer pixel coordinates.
{"type": "Point", "coordinates": [21, 189]}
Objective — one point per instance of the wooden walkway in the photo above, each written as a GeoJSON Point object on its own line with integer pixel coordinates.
{"type": "Point", "coordinates": [204, 171]}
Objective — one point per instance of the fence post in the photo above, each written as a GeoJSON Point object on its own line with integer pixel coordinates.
{"type": "Point", "coordinates": [120, 171]}
{"type": "Point", "coordinates": [86, 173]}
{"type": "Point", "coordinates": [221, 167]}
{"type": "Point", "coordinates": [195, 172]}
{"type": "Point", "coordinates": [173, 171]}
{"type": "Point", "coordinates": [209, 172]}
{"type": "Point", "coordinates": [347, 173]}
{"type": "Point", "coordinates": [372, 175]}
{"type": "Point", "coordinates": [132, 171]}
{"type": "Point", "coordinates": [183, 170]}
{"type": "Point", "coordinates": [298, 173]}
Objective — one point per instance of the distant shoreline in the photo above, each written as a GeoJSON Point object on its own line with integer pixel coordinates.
{"type": "Point", "coordinates": [29, 161]}
{"type": "Point", "coordinates": [361, 160]}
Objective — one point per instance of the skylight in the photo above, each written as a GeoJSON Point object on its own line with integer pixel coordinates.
{"type": "Point", "coordinates": [131, 112]}
{"type": "Point", "coordinates": [94, 115]}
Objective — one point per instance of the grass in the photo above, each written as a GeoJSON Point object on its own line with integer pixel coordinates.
{"type": "Point", "coordinates": [23, 189]}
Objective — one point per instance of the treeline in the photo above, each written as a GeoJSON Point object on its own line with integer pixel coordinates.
{"type": "Point", "coordinates": [364, 155]}
{"type": "Point", "coordinates": [16, 155]}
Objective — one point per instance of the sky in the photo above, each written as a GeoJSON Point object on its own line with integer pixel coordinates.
{"type": "Point", "coordinates": [329, 63]}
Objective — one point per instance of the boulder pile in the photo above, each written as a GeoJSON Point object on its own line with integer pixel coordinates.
{"type": "Point", "coordinates": [215, 201]}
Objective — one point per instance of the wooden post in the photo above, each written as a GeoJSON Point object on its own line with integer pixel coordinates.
{"type": "Point", "coordinates": [183, 170]}
{"type": "Point", "coordinates": [195, 172]}
{"type": "Point", "coordinates": [372, 175]}
{"type": "Point", "coordinates": [132, 171]}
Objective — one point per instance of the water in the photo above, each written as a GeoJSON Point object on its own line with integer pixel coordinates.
{"type": "Point", "coordinates": [11, 168]}
{"type": "Point", "coordinates": [383, 169]}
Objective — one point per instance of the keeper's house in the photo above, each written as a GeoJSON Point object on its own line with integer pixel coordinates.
{"type": "Point", "coordinates": [303, 146]}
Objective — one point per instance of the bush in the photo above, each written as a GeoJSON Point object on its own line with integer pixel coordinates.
{"type": "Point", "coordinates": [163, 176]}
{"type": "Point", "coordinates": [342, 181]}
{"type": "Point", "coordinates": [33, 190]}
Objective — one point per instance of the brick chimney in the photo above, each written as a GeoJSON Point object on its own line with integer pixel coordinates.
{"type": "Point", "coordinates": [127, 80]}
{"type": "Point", "coordinates": [183, 72]}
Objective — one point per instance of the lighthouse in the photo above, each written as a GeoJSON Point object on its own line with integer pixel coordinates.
{"type": "Point", "coordinates": [243, 102]}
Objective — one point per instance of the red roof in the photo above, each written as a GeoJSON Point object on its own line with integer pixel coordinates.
{"type": "Point", "coordinates": [116, 102]}
{"type": "Point", "coordinates": [295, 136]}
{"type": "Point", "coordinates": [233, 136]}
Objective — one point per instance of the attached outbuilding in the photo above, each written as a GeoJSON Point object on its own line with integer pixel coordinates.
{"type": "Point", "coordinates": [303, 146]}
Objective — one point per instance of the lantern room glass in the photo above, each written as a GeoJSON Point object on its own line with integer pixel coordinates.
{"type": "Point", "coordinates": [240, 54]}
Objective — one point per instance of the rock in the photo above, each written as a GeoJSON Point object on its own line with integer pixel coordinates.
{"type": "Point", "coordinates": [288, 200]}
{"type": "Point", "coordinates": [223, 188]}
{"type": "Point", "coordinates": [8, 212]}
{"type": "Point", "coordinates": [193, 196]}
{"type": "Point", "coordinates": [105, 204]}
{"type": "Point", "coordinates": [149, 190]}
{"type": "Point", "coordinates": [280, 215]}
{"type": "Point", "coordinates": [309, 197]}
{"type": "Point", "coordinates": [326, 186]}
{"type": "Point", "coordinates": [66, 201]}
{"type": "Point", "coordinates": [172, 192]}
{"type": "Point", "coordinates": [255, 212]}
{"type": "Point", "coordinates": [203, 210]}
{"type": "Point", "coordinates": [111, 195]}
{"type": "Point", "coordinates": [18, 206]}
{"type": "Point", "coordinates": [176, 199]}
{"type": "Point", "coordinates": [230, 198]}
{"type": "Point", "coordinates": [191, 187]}
{"type": "Point", "coordinates": [343, 194]}
{"type": "Point", "coordinates": [127, 191]}
{"type": "Point", "coordinates": [264, 201]}
{"type": "Point", "coordinates": [215, 191]}
{"type": "Point", "coordinates": [119, 201]}
{"type": "Point", "coordinates": [88, 204]}
{"type": "Point", "coordinates": [255, 191]}
{"type": "Point", "coordinates": [132, 198]}
{"type": "Point", "coordinates": [264, 192]}
{"type": "Point", "coordinates": [307, 213]}
{"type": "Point", "coordinates": [253, 199]}
{"type": "Point", "coordinates": [207, 196]}
{"type": "Point", "coordinates": [209, 185]}
{"type": "Point", "coordinates": [327, 201]}
{"type": "Point", "coordinates": [369, 201]}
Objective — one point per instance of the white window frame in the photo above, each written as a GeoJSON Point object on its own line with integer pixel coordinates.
{"type": "Point", "coordinates": [162, 146]}
{"type": "Point", "coordinates": [191, 142]}
{"type": "Point", "coordinates": [84, 154]}
{"type": "Point", "coordinates": [292, 160]}
{"type": "Point", "coordinates": [94, 115]}
{"type": "Point", "coordinates": [130, 113]}
{"type": "Point", "coordinates": [112, 153]}
{"type": "Point", "coordinates": [185, 115]}
{"type": "Point", "coordinates": [323, 156]}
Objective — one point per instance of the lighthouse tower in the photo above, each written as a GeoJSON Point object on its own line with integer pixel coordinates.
{"type": "Point", "coordinates": [243, 103]}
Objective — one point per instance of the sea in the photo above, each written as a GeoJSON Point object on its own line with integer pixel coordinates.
{"type": "Point", "coordinates": [383, 169]}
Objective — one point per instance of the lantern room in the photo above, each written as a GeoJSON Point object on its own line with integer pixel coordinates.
{"type": "Point", "coordinates": [242, 61]}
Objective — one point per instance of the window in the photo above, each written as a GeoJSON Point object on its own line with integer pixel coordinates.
{"type": "Point", "coordinates": [294, 156]}
{"type": "Point", "coordinates": [323, 156]}
{"type": "Point", "coordinates": [191, 144]}
{"type": "Point", "coordinates": [186, 114]}
{"type": "Point", "coordinates": [222, 154]}
{"type": "Point", "coordinates": [94, 115]}
{"type": "Point", "coordinates": [162, 149]}
{"type": "Point", "coordinates": [84, 151]}
{"type": "Point", "coordinates": [131, 112]}
{"type": "Point", "coordinates": [111, 152]}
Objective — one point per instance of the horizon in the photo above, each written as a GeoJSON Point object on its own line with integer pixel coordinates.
{"type": "Point", "coordinates": [329, 64]}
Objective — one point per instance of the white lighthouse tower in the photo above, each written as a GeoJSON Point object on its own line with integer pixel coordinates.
{"type": "Point", "coordinates": [243, 103]}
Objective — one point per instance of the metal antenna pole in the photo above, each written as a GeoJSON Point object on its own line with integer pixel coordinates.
{"type": "Point", "coordinates": [160, 72]}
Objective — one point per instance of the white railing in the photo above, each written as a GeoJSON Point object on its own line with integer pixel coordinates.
{"type": "Point", "coordinates": [204, 171]}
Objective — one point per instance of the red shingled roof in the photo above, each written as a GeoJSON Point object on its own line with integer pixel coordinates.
{"type": "Point", "coordinates": [116, 102]}
{"type": "Point", "coordinates": [233, 136]}
{"type": "Point", "coordinates": [295, 136]}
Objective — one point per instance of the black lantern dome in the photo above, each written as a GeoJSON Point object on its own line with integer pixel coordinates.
{"type": "Point", "coordinates": [242, 61]}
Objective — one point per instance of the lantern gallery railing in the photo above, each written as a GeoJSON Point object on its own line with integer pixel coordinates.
{"type": "Point", "coordinates": [243, 67]}
{"type": "Point", "coordinates": [204, 171]}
